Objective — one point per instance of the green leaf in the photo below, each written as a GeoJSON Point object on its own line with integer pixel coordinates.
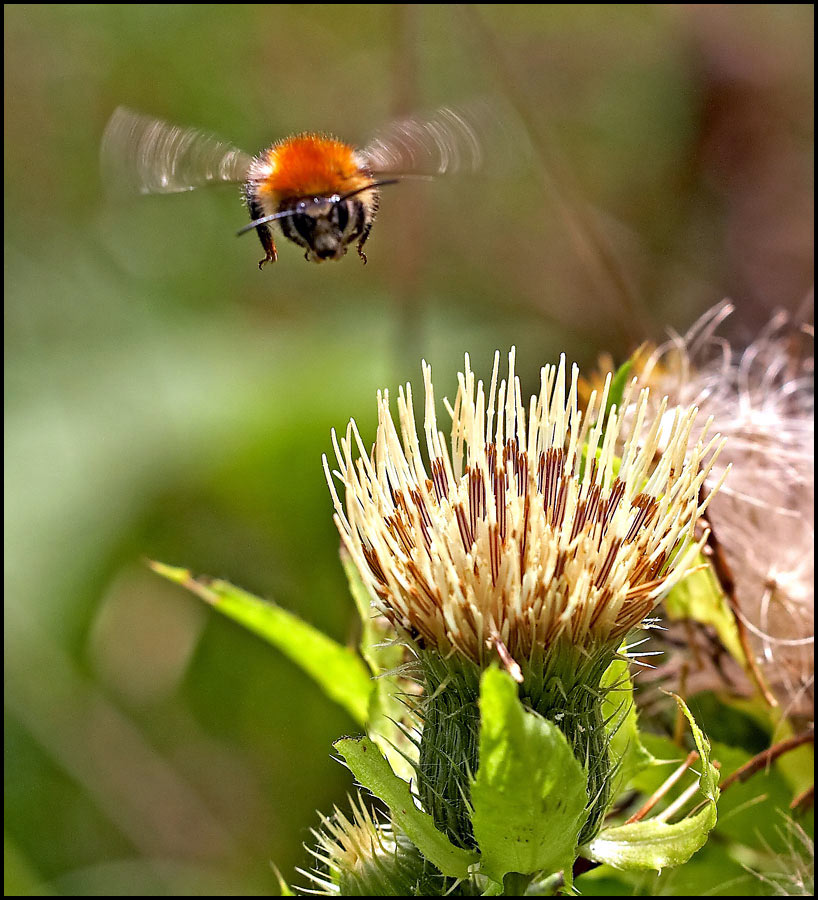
{"type": "Point", "coordinates": [699, 596]}
{"type": "Point", "coordinates": [337, 670]}
{"type": "Point", "coordinates": [383, 656]}
{"type": "Point", "coordinates": [380, 653]}
{"type": "Point", "coordinates": [666, 756]}
{"type": "Point", "coordinates": [712, 872]}
{"type": "Point", "coordinates": [653, 843]}
{"type": "Point", "coordinates": [797, 766]}
{"type": "Point", "coordinates": [628, 753]}
{"type": "Point", "coordinates": [20, 879]}
{"type": "Point", "coordinates": [529, 795]}
{"type": "Point", "coordinates": [371, 769]}
{"type": "Point", "coordinates": [752, 812]}
{"type": "Point", "coordinates": [618, 384]}
{"type": "Point", "coordinates": [709, 779]}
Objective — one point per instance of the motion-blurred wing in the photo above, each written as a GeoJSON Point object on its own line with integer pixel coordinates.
{"type": "Point", "coordinates": [150, 156]}
{"type": "Point", "coordinates": [478, 136]}
{"type": "Point", "coordinates": [444, 143]}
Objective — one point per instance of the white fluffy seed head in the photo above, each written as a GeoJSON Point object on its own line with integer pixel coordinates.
{"type": "Point", "coordinates": [762, 399]}
{"type": "Point", "coordinates": [522, 526]}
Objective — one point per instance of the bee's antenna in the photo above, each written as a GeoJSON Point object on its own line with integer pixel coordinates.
{"type": "Point", "coordinates": [282, 214]}
{"type": "Point", "coordinates": [367, 187]}
{"type": "Point", "coordinates": [304, 204]}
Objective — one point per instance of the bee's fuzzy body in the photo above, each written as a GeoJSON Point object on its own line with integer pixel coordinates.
{"type": "Point", "coordinates": [311, 174]}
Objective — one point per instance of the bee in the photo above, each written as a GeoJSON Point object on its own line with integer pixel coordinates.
{"type": "Point", "coordinates": [320, 192]}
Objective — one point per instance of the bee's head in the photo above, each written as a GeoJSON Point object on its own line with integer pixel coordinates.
{"type": "Point", "coordinates": [326, 226]}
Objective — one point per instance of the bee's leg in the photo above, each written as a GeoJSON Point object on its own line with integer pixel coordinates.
{"type": "Point", "coordinates": [362, 241]}
{"type": "Point", "coordinates": [267, 242]}
{"type": "Point", "coordinates": [263, 231]}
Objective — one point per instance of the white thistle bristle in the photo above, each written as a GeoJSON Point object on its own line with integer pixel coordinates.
{"type": "Point", "coordinates": [522, 528]}
{"type": "Point", "coordinates": [762, 399]}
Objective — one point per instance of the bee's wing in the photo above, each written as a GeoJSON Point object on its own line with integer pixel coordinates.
{"type": "Point", "coordinates": [445, 142]}
{"type": "Point", "coordinates": [150, 156]}
{"type": "Point", "coordinates": [459, 139]}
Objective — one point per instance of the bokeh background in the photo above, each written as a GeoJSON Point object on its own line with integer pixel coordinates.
{"type": "Point", "coordinates": [165, 399]}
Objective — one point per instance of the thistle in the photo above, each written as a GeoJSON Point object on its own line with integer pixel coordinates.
{"type": "Point", "coordinates": [526, 538]}
{"type": "Point", "coordinates": [362, 855]}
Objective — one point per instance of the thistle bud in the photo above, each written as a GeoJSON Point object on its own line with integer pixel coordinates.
{"type": "Point", "coordinates": [364, 856]}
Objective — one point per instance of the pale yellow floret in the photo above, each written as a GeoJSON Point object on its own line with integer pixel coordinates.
{"type": "Point", "coordinates": [517, 530]}
{"type": "Point", "coordinates": [344, 845]}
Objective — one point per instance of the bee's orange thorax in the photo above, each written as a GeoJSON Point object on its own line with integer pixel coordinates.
{"type": "Point", "coordinates": [311, 164]}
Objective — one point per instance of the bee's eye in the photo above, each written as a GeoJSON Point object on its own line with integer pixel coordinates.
{"type": "Point", "coordinates": [339, 214]}
{"type": "Point", "coordinates": [304, 225]}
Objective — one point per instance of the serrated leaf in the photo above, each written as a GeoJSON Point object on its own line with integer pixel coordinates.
{"type": "Point", "coordinates": [371, 769]}
{"type": "Point", "coordinates": [628, 754]}
{"type": "Point", "coordinates": [655, 844]}
{"type": "Point", "coordinates": [529, 794]}
{"type": "Point", "coordinates": [712, 872]}
{"type": "Point", "coordinates": [709, 779]}
{"type": "Point", "coordinates": [337, 670]}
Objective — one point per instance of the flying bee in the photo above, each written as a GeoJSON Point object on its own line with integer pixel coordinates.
{"type": "Point", "coordinates": [320, 192]}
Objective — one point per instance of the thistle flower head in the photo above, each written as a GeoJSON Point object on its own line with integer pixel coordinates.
{"type": "Point", "coordinates": [523, 528]}
{"type": "Point", "coordinates": [361, 855]}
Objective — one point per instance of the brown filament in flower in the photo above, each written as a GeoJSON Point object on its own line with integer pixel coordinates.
{"type": "Point", "coordinates": [580, 544]}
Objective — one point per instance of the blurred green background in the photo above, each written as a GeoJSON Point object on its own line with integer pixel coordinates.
{"type": "Point", "coordinates": [165, 399]}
